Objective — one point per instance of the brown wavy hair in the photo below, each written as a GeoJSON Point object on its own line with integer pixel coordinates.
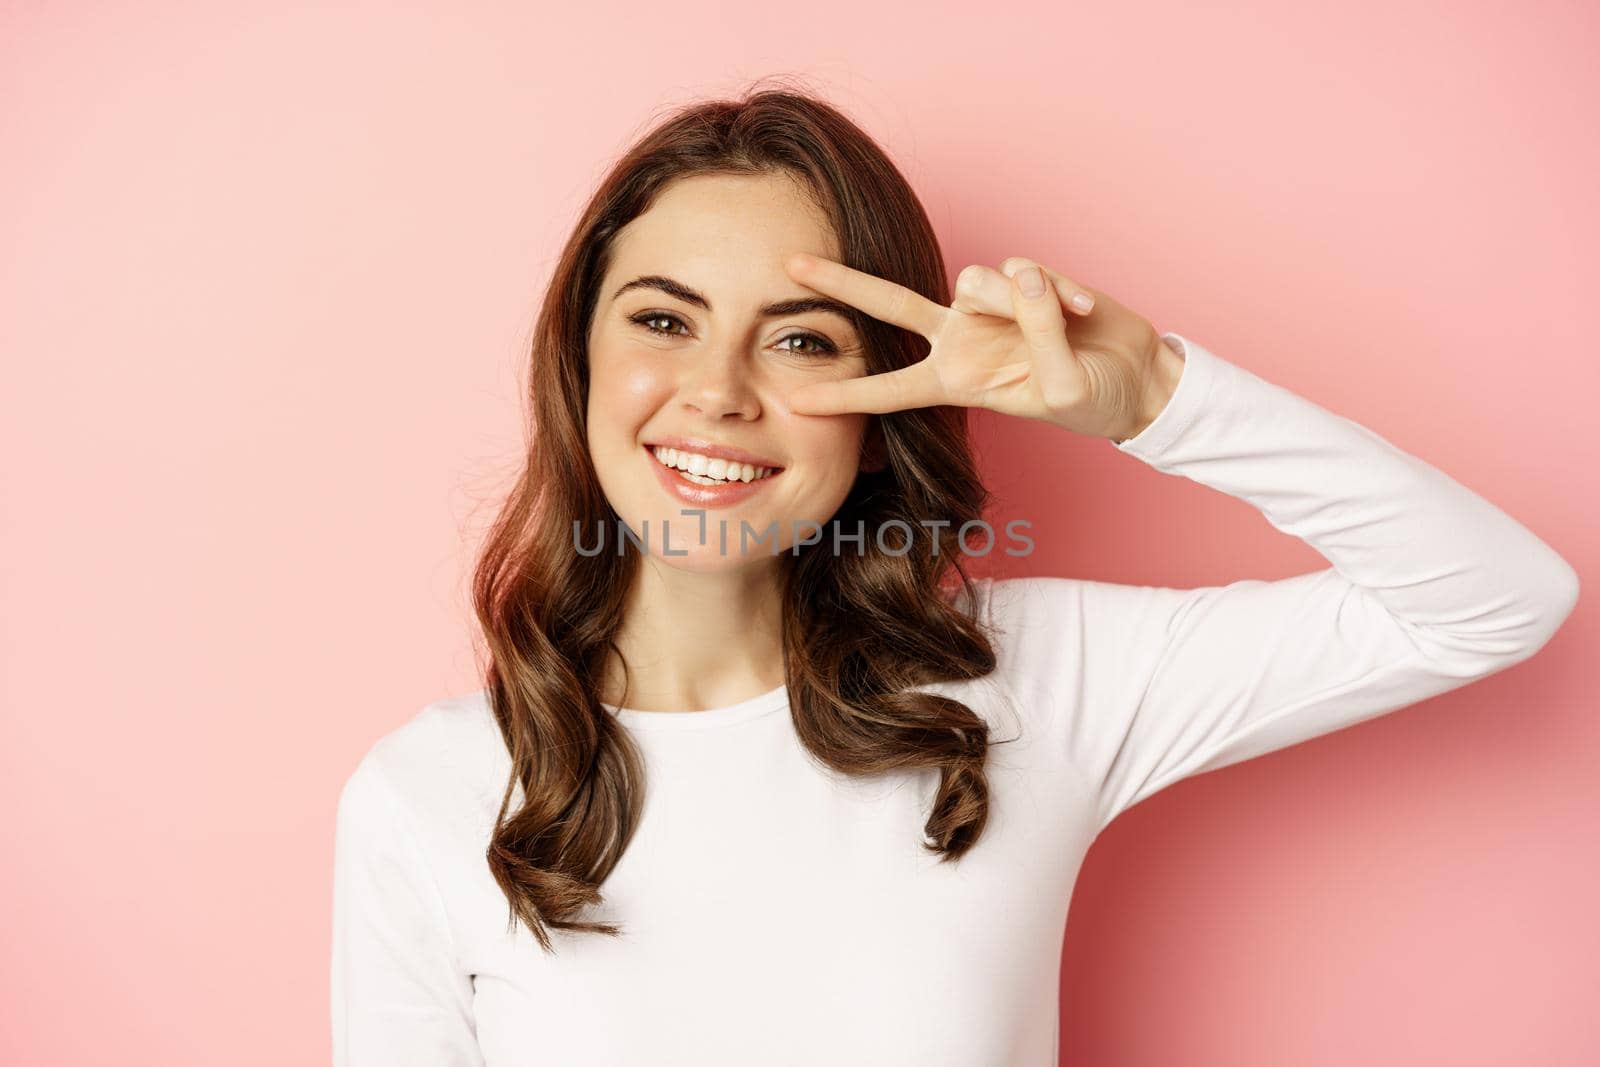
{"type": "Point", "coordinates": [858, 631]}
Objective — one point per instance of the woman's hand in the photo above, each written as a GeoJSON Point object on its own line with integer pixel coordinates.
{"type": "Point", "coordinates": [1104, 372]}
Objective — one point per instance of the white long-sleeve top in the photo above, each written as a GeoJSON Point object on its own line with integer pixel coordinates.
{"type": "Point", "coordinates": [775, 912]}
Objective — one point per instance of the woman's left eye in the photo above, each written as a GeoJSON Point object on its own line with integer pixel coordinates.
{"type": "Point", "coordinates": [823, 346]}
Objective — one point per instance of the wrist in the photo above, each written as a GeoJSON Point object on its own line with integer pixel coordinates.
{"type": "Point", "coordinates": [1161, 381]}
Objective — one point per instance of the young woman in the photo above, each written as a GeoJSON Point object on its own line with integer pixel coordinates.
{"type": "Point", "coordinates": [835, 790]}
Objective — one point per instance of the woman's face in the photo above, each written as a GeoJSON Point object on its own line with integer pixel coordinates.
{"type": "Point", "coordinates": [691, 350]}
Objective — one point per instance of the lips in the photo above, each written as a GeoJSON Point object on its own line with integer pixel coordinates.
{"type": "Point", "coordinates": [724, 495]}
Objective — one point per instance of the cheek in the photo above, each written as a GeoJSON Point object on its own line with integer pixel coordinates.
{"type": "Point", "coordinates": [623, 393]}
{"type": "Point", "coordinates": [832, 447]}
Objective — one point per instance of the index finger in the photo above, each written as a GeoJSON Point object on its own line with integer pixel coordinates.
{"type": "Point", "coordinates": [915, 386]}
{"type": "Point", "coordinates": [878, 297]}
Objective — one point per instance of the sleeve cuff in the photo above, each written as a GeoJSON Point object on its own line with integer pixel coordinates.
{"type": "Point", "coordinates": [1187, 401]}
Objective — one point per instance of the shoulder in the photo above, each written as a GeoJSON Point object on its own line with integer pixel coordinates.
{"type": "Point", "coordinates": [444, 732]}
{"type": "Point", "coordinates": [1018, 606]}
{"type": "Point", "coordinates": [1046, 629]}
{"type": "Point", "coordinates": [1012, 608]}
{"type": "Point", "coordinates": [1032, 623]}
{"type": "Point", "coordinates": [446, 762]}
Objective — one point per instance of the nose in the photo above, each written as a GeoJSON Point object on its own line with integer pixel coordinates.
{"type": "Point", "coordinates": [718, 385]}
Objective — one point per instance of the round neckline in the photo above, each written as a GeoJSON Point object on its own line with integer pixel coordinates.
{"type": "Point", "coordinates": [744, 710]}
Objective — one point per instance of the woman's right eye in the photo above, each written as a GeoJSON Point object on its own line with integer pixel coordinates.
{"type": "Point", "coordinates": [647, 318]}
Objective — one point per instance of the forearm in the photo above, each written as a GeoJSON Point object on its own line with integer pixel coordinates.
{"type": "Point", "coordinates": [1466, 579]}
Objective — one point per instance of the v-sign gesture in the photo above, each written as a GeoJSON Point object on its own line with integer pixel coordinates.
{"type": "Point", "coordinates": [1104, 372]}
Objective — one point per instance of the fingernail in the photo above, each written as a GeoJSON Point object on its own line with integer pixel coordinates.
{"type": "Point", "coordinates": [1031, 281]}
{"type": "Point", "coordinates": [1083, 302]}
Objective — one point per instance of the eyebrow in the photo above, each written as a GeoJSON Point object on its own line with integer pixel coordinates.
{"type": "Point", "coordinates": [796, 306]}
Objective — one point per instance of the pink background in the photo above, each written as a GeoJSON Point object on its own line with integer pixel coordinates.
{"type": "Point", "coordinates": [267, 277]}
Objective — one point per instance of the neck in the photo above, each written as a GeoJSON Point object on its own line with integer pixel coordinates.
{"type": "Point", "coordinates": [698, 640]}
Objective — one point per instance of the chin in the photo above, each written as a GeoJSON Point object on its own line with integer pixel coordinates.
{"type": "Point", "coordinates": [720, 552]}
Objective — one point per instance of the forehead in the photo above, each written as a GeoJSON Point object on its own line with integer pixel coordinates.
{"type": "Point", "coordinates": [724, 230]}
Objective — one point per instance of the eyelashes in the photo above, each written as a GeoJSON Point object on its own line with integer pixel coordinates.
{"type": "Point", "coordinates": [824, 347]}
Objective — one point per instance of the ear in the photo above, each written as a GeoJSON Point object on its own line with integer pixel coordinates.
{"type": "Point", "coordinates": [874, 454]}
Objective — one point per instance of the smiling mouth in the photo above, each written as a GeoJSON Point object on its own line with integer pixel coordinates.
{"type": "Point", "coordinates": [709, 470]}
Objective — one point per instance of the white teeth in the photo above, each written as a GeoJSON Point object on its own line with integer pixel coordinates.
{"type": "Point", "coordinates": [705, 470]}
